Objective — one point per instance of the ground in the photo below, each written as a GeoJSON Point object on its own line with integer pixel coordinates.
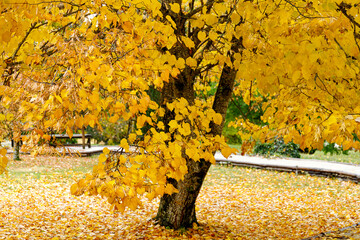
{"type": "Point", "coordinates": [235, 203]}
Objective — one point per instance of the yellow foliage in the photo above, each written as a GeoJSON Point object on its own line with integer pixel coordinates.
{"type": "Point", "coordinates": [191, 62]}
{"type": "Point", "coordinates": [175, 7]}
{"type": "Point", "coordinates": [296, 63]}
{"type": "Point", "coordinates": [124, 144]}
{"type": "Point", "coordinates": [3, 160]}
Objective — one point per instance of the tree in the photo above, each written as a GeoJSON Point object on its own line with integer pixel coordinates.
{"type": "Point", "coordinates": [92, 60]}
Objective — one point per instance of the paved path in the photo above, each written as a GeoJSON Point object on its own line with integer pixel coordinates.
{"type": "Point", "coordinates": [89, 151]}
{"type": "Point", "coordinates": [318, 167]}
{"type": "Point", "coordinates": [345, 170]}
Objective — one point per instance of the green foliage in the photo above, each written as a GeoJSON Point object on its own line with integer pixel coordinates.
{"type": "Point", "coordinates": [278, 147]}
{"type": "Point", "coordinates": [238, 108]}
{"type": "Point", "coordinates": [66, 141]}
{"type": "Point", "coordinates": [111, 133]}
{"type": "Point", "coordinates": [332, 148]}
{"type": "Point", "coordinates": [231, 135]}
{"type": "Point", "coordinates": [308, 151]}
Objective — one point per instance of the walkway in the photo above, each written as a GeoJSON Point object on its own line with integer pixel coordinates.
{"type": "Point", "coordinates": [318, 167]}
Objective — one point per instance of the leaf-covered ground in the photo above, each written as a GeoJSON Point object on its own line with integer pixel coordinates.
{"type": "Point", "coordinates": [235, 203]}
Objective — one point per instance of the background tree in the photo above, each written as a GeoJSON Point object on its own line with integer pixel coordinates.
{"type": "Point", "coordinates": [98, 59]}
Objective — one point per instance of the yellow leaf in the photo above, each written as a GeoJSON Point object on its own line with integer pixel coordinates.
{"type": "Point", "coordinates": [127, 26]}
{"type": "Point", "coordinates": [79, 122]}
{"type": "Point", "coordinates": [235, 18]}
{"type": "Point", "coordinates": [150, 195]}
{"type": "Point", "coordinates": [160, 190]}
{"type": "Point", "coordinates": [161, 125]}
{"type": "Point", "coordinates": [173, 24]}
{"type": "Point", "coordinates": [6, 36]}
{"type": "Point", "coordinates": [175, 72]}
{"type": "Point", "coordinates": [3, 151]}
{"type": "Point", "coordinates": [180, 63]}
{"type": "Point", "coordinates": [296, 76]}
{"type": "Point", "coordinates": [170, 189]}
{"type": "Point", "coordinates": [188, 42]}
{"type": "Point", "coordinates": [114, 118]}
{"type": "Point", "coordinates": [120, 207]}
{"type": "Point", "coordinates": [132, 137]}
{"type": "Point", "coordinates": [217, 118]}
{"type": "Point", "coordinates": [220, 8]}
{"type": "Point", "coordinates": [47, 137]}
{"type": "Point", "coordinates": [191, 62]}
{"type": "Point", "coordinates": [185, 129]}
{"type": "Point", "coordinates": [176, 162]}
{"type": "Point", "coordinates": [175, 7]}
{"type": "Point", "coordinates": [102, 158]}
{"type": "Point", "coordinates": [213, 35]}
{"type": "Point", "coordinates": [58, 98]}
{"type": "Point", "coordinates": [347, 145]}
{"type": "Point", "coordinates": [120, 192]}
{"type": "Point", "coordinates": [190, 152]}
{"type": "Point", "coordinates": [106, 150]}
{"type": "Point", "coordinates": [3, 163]}
{"type": "Point", "coordinates": [197, 23]}
{"type": "Point", "coordinates": [210, 19]}
{"type": "Point", "coordinates": [74, 189]}
{"type": "Point", "coordinates": [94, 98]}
{"type": "Point", "coordinates": [140, 190]}
{"type": "Point", "coordinates": [133, 205]}
{"type": "Point", "coordinates": [201, 36]}
{"type": "Point", "coordinates": [165, 75]}
{"type": "Point", "coordinates": [141, 121]}
{"type": "Point", "coordinates": [173, 124]}
{"type": "Point", "coordinates": [124, 144]}
{"type": "Point", "coordinates": [331, 120]}
{"type": "Point", "coordinates": [69, 132]}
{"type": "Point", "coordinates": [227, 151]}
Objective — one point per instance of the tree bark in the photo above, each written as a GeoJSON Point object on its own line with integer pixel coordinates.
{"type": "Point", "coordinates": [17, 151]}
{"type": "Point", "coordinates": [178, 210]}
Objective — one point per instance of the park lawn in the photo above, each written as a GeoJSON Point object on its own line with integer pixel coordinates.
{"type": "Point", "coordinates": [235, 203]}
{"type": "Point", "coordinates": [352, 157]}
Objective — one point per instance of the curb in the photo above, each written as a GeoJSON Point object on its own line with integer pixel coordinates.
{"type": "Point", "coordinates": [297, 170]}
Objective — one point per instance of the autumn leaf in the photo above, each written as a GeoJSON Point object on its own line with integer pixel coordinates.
{"type": "Point", "coordinates": [175, 7]}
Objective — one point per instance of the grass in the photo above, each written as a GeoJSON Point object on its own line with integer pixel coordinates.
{"type": "Point", "coordinates": [236, 146]}
{"type": "Point", "coordinates": [353, 157]}
{"type": "Point", "coordinates": [49, 166]}
{"type": "Point", "coordinates": [234, 203]}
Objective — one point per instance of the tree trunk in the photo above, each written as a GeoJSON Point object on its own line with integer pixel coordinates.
{"type": "Point", "coordinates": [83, 137]}
{"type": "Point", "coordinates": [178, 210]}
{"type": "Point", "coordinates": [17, 151]}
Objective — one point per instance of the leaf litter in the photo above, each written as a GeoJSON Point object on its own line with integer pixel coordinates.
{"type": "Point", "coordinates": [235, 203]}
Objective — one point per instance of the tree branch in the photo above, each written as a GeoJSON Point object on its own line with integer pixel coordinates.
{"type": "Point", "coordinates": [32, 27]}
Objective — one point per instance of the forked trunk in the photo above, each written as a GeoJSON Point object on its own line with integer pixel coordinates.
{"type": "Point", "coordinates": [178, 210]}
